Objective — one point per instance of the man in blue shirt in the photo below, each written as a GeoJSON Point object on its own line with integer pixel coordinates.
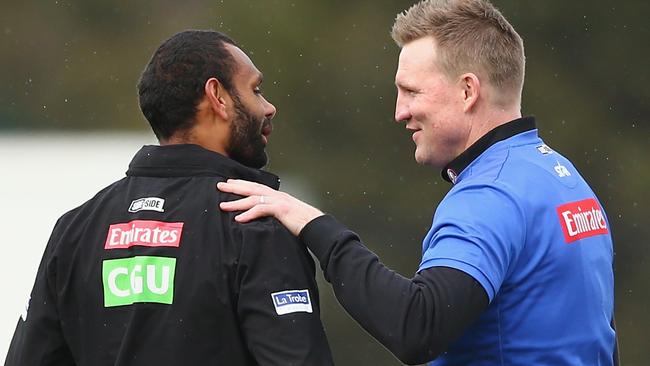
{"type": "Point", "coordinates": [517, 266]}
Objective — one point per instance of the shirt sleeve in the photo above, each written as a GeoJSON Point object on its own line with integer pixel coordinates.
{"type": "Point", "coordinates": [478, 229]}
{"type": "Point", "coordinates": [415, 318]}
{"type": "Point", "coordinates": [38, 339]}
{"type": "Point", "coordinates": [278, 302]}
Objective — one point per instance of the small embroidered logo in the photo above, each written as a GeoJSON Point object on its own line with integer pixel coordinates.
{"type": "Point", "coordinates": [291, 301]}
{"type": "Point", "coordinates": [147, 204]}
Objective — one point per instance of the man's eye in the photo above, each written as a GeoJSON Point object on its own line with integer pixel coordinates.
{"type": "Point", "coordinates": [409, 91]}
{"type": "Point", "coordinates": [257, 91]}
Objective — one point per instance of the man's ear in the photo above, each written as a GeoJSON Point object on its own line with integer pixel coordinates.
{"type": "Point", "coordinates": [471, 89]}
{"type": "Point", "coordinates": [217, 97]}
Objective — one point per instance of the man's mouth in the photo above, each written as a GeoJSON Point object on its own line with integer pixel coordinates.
{"type": "Point", "coordinates": [414, 131]}
{"type": "Point", "coordinates": [267, 128]}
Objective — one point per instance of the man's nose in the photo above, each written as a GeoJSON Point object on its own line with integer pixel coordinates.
{"type": "Point", "coordinates": [401, 110]}
{"type": "Point", "coordinates": [270, 110]}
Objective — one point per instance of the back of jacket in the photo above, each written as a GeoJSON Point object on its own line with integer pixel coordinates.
{"type": "Point", "coordinates": [151, 272]}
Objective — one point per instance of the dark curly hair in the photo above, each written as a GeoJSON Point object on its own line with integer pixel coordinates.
{"type": "Point", "coordinates": [171, 85]}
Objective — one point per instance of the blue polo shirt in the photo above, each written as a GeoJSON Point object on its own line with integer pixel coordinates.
{"type": "Point", "coordinates": [522, 221]}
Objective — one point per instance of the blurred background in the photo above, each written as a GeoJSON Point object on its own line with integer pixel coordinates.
{"type": "Point", "coordinates": [69, 124]}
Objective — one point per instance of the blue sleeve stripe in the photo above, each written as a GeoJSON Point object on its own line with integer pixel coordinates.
{"type": "Point", "coordinates": [476, 273]}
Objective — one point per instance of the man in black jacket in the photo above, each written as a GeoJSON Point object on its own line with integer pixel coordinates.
{"type": "Point", "coordinates": [150, 271]}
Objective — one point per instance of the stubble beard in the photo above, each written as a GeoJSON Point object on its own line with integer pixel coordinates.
{"type": "Point", "coordinates": [246, 144]}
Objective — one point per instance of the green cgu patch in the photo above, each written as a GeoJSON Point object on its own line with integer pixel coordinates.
{"type": "Point", "coordinates": [138, 279]}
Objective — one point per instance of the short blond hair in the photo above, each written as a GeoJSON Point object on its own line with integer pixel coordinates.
{"type": "Point", "coordinates": [472, 36]}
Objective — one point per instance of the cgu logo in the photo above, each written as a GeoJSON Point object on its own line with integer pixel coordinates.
{"type": "Point", "coordinates": [138, 279]}
{"type": "Point", "coordinates": [582, 219]}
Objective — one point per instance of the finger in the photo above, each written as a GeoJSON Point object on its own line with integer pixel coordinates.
{"type": "Point", "coordinates": [233, 188]}
{"type": "Point", "coordinates": [254, 213]}
{"type": "Point", "coordinates": [241, 188]}
{"type": "Point", "coordinates": [241, 204]}
{"type": "Point", "coordinates": [253, 186]}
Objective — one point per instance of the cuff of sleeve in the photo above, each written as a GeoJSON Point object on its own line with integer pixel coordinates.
{"type": "Point", "coordinates": [321, 235]}
{"type": "Point", "coordinates": [468, 268]}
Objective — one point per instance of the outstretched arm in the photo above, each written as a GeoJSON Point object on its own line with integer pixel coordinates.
{"type": "Point", "coordinates": [414, 318]}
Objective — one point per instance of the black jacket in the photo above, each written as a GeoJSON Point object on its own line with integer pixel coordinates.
{"type": "Point", "coordinates": [151, 272]}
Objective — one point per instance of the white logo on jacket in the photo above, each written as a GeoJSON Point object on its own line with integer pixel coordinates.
{"type": "Point", "coordinates": [291, 301]}
{"type": "Point", "coordinates": [147, 204]}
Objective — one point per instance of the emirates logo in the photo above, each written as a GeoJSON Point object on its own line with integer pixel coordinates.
{"type": "Point", "coordinates": [582, 219]}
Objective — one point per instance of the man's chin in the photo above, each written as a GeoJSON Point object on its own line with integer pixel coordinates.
{"type": "Point", "coordinates": [428, 161]}
{"type": "Point", "coordinates": [250, 157]}
{"type": "Point", "coordinates": [420, 159]}
{"type": "Point", "coordinates": [257, 162]}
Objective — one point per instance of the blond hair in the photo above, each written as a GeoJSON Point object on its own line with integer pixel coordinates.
{"type": "Point", "coordinates": [472, 36]}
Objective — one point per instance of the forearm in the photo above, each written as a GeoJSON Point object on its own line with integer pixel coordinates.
{"type": "Point", "coordinates": [414, 318]}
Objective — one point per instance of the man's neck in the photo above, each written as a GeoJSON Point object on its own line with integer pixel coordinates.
{"type": "Point", "coordinates": [489, 120]}
{"type": "Point", "coordinates": [204, 137]}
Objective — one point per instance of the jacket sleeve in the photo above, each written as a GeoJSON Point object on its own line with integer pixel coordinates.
{"type": "Point", "coordinates": [38, 339]}
{"type": "Point", "coordinates": [278, 304]}
{"type": "Point", "coordinates": [417, 318]}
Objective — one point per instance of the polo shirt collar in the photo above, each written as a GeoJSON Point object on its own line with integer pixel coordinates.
{"type": "Point", "coordinates": [451, 171]}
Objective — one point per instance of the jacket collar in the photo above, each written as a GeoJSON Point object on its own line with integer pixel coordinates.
{"type": "Point", "coordinates": [451, 171]}
{"type": "Point", "coordinates": [193, 160]}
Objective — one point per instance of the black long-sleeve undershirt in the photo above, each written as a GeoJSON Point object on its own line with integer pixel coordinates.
{"type": "Point", "coordinates": [416, 319]}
